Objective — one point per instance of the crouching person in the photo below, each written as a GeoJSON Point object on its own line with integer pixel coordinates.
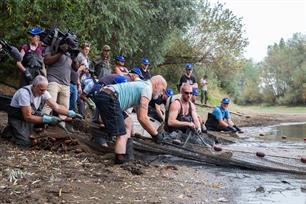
{"type": "Point", "coordinates": [25, 111]}
{"type": "Point", "coordinates": [113, 100]}
{"type": "Point", "coordinates": [220, 119]}
{"type": "Point", "coordinates": [182, 114]}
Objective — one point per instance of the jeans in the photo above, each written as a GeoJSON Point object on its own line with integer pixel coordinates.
{"type": "Point", "coordinates": [73, 96]}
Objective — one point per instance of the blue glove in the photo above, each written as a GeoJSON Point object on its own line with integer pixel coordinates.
{"type": "Point", "coordinates": [50, 120]}
{"type": "Point", "coordinates": [72, 114]}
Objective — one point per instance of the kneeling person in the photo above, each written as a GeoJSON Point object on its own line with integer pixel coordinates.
{"type": "Point", "coordinates": [25, 111]}
{"type": "Point", "coordinates": [220, 118]}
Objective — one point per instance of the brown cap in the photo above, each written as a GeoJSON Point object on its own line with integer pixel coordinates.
{"type": "Point", "coordinates": [106, 47]}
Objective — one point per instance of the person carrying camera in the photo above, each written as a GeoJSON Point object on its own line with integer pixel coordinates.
{"type": "Point", "coordinates": [31, 63]}
{"type": "Point", "coordinates": [59, 64]}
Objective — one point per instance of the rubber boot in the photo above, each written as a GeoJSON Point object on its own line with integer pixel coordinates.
{"type": "Point", "coordinates": [129, 150]}
{"type": "Point", "coordinates": [120, 158]}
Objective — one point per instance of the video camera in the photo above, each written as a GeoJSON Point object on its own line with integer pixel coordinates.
{"type": "Point", "coordinates": [55, 38]}
{"type": "Point", "coordinates": [7, 50]}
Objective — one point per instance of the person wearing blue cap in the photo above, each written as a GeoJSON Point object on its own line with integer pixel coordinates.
{"type": "Point", "coordinates": [155, 105]}
{"type": "Point", "coordinates": [145, 69]}
{"type": "Point", "coordinates": [31, 63]}
{"type": "Point", "coordinates": [135, 73]}
{"type": "Point", "coordinates": [119, 67]}
{"type": "Point", "coordinates": [195, 94]}
{"type": "Point", "coordinates": [220, 118]}
{"type": "Point", "coordinates": [188, 78]}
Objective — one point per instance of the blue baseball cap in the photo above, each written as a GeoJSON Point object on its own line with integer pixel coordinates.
{"type": "Point", "coordinates": [120, 58]}
{"type": "Point", "coordinates": [169, 92]}
{"type": "Point", "coordinates": [137, 71]}
{"type": "Point", "coordinates": [225, 100]}
{"type": "Point", "coordinates": [189, 66]}
{"type": "Point", "coordinates": [145, 61]}
{"type": "Point", "coordinates": [119, 80]}
{"type": "Point", "coordinates": [35, 31]}
{"type": "Point", "coordinates": [195, 92]}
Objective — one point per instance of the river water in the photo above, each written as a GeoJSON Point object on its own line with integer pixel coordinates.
{"type": "Point", "coordinates": [259, 187]}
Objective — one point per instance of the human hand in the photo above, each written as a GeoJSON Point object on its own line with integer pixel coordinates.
{"type": "Point", "coordinates": [158, 138]}
{"type": "Point", "coordinates": [91, 104]}
{"type": "Point", "coordinates": [52, 120]}
{"type": "Point", "coordinates": [191, 125]}
{"type": "Point", "coordinates": [28, 76]}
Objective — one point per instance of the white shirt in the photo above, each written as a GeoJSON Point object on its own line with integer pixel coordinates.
{"type": "Point", "coordinates": [204, 84]}
{"type": "Point", "coordinates": [22, 98]}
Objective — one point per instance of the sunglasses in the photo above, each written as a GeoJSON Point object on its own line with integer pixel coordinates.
{"type": "Point", "coordinates": [188, 93]}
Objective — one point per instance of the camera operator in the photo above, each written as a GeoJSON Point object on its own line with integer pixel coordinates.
{"type": "Point", "coordinates": [31, 63]}
{"type": "Point", "coordinates": [59, 64]}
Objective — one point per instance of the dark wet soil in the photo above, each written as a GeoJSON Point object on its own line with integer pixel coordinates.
{"type": "Point", "coordinates": [39, 176]}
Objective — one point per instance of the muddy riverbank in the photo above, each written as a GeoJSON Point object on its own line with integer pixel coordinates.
{"type": "Point", "coordinates": [37, 176]}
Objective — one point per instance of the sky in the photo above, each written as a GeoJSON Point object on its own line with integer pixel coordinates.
{"type": "Point", "coordinates": [267, 21]}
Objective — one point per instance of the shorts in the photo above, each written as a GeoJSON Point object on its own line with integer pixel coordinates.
{"type": "Point", "coordinates": [111, 113]}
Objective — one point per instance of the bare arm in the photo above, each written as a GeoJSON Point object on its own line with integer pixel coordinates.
{"type": "Point", "coordinates": [19, 65]}
{"type": "Point", "coordinates": [159, 112]}
{"type": "Point", "coordinates": [56, 107]}
{"type": "Point", "coordinates": [51, 59]}
{"type": "Point", "coordinates": [27, 115]}
{"type": "Point", "coordinates": [222, 123]}
{"type": "Point", "coordinates": [173, 113]}
{"type": "Point", "coordinates": [142, 115]}
{"type": "Point", "coordinates": [195, 116]}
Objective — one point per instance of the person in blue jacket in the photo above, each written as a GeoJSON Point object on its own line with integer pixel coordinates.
{"type": "Point", "coordinates": [220, 118]}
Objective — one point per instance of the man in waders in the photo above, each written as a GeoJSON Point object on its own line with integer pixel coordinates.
{"type": "Point", "coordinates": [25, 111]}
{"type": "Point", "coordinates": [220, 119]}
{"type": "Point", "coordinates": [182, 113]}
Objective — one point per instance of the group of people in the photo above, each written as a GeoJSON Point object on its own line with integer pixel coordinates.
{"type": "Point", "coordinates": [53, 83]}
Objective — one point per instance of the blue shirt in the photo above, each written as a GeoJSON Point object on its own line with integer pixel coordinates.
{"type": "Point", "coordinates": [220, 113]}
{"type": "Point", "coordinates": [130, 93]}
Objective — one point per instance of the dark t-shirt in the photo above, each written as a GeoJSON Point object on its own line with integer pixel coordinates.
{"type": "Point", "coordinates": [108, 79]}
{"type": "Point", "coordinates": [190, 80]}
{"type": "Point", "coordinates": [74, 77]}
{"type": "Point", "coordinates": [60, 71]}
{"type": "Point", "coordinates": [146, 74]}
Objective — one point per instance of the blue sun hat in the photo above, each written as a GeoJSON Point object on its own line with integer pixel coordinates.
{"type": "Point", "coordinates": [35, 31]}
{"type": "Point", "coordinates": [195, 92]}
{"type": "Point", "coordinates": [137, 71]}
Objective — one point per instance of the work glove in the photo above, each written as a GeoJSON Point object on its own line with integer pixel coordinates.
{"type": "Point", "coordinates": [198, 131]}
{"type": "Point", "coordinates": [72, 114]}
{"type": "Point", "coordinates": [158, 138]}
{"type": "Point", "coordinates": [203, 128]}
{"type": "Point", "coordinates": [28, 76]}
{"type": "Point", "coordinates": [52, 120]}
{"type": "Point", "coordinates": [237, 128]}
{"type": "Point", "coordinates": [91, 104]}
{"type": "Point", "coordinates": [230, 128]}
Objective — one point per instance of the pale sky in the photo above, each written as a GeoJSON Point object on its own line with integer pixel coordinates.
{"type": "Point", "coordinates": [267, 21]}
